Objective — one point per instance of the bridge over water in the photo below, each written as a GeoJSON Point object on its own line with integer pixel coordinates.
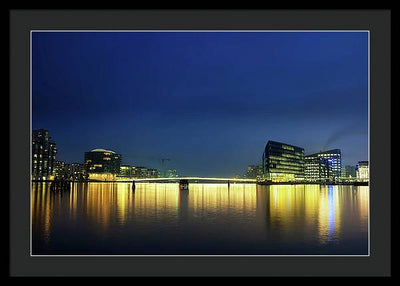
{"type": "Point", "coordinates": [194, 180]}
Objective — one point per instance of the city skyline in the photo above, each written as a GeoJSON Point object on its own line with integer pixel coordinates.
{"type": "Point", "coordinates": [209, 101]}
{"type": "Point", "coordinates": [337, 165]}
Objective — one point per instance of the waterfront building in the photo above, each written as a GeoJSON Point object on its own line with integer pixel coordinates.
{"type": "Point", "coordinates": [283, 162]}
{"type": "Point", "coordinates": [251, 171]}
{"type": "Point", "coordinates": [139, 172]}
{"type": "Point", "coordinates": [58, 168]}
{"type": "Point", "coordinates": [254, 172]}
{"type": "Point", "coordinates": [126, 171]}
{"type": "Point", "coordinates": [43, 155]}
{"type": "Point", "coordinates": [316, 169]}
{"type": "Point", "coordinates": [324, 166]}
{"type": "Point", "coordinates": [362, 171]}
{"type": "Point", "coordinates": [75, 172]}
{"type": "Point", "coordinates": [350, 171]}
{"type": "Point", "coordinates": [70, 172]}
{"type": "Point", "coordinates": [334, 158]}
{"type": "Point", "coordinates": [153, 173]}
{"type": "Point", "coordinates": [343, 173]}
{"type": "Point", "coordinates": [102, 165]}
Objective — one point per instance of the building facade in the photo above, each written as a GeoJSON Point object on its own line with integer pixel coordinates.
{"type": "Point", "coordinates": [254, 172]}
{"type": "Point", "coordinates": [350, 171]}
{"type": "Point", "coordinates": [139, 172]}
{"type": "Point", "coordinates": [102, 165]}
{"type": "Point", "coordinates": [153, 173]}
{"type": "Point", "coordinates": [324, 166]}
{"type": "Point", "coordinates": [58, 169]}
{"type": "Point", "coordinates": [283, 162]}
{"type": "Point", "coordinates": [316, 169]}
{"type": "Point", "coordinates": [70, 171]}
{"type": "Point", "coordinates": [127, 171]}
{"type": "Point", "coordinates": [362, 171]}
{"type": "Point", "coordinates": [43, 155]}
{"type": "Point", "coordinates": [76, 172]}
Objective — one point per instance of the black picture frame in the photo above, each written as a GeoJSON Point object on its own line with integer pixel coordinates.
{"type": "Point", "coordinates": [378, 22]}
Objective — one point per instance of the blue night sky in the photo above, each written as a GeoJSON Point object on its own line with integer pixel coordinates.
{"type": "Point", "coordinates": [210, 101]}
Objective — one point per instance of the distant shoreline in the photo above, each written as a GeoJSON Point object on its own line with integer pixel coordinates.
{"type": "Point", "coordinates": [205, 182]}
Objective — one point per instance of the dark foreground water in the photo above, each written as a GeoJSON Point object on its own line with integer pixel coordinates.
{"type": "Point", "coordinates": [209, 219]}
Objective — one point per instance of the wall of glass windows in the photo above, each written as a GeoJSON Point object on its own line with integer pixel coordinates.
{"type": "Point", "coordinates": [283, 162]}
{"type": "Point", "coordinates": [324, 166]}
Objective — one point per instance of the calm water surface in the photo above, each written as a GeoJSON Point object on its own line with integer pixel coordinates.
{"type": "Point", "coordinates": [110, 218]}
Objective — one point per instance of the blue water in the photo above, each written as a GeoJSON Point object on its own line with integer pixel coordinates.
{"type": "Point", "coordinates": [208, 219]}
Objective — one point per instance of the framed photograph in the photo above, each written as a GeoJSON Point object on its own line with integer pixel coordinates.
{"type": "Point", "coordinates": [200, 143]}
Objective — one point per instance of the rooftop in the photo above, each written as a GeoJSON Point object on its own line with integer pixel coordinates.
{"type": "Point", "coordinates": [102, 150]}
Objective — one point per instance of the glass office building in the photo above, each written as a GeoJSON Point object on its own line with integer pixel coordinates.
{"type": "Point", "coordinates": [283, 162]}
{"type": "Point", "coordinates": [102, 165]}
{"type": "Point", "coordinates": [316, 169]}
{"type": "Point", "coordinates": [324, 166]}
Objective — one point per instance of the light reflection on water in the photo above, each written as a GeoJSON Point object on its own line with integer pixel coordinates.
{"type": "Point", "coordinates": [110, 218]}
